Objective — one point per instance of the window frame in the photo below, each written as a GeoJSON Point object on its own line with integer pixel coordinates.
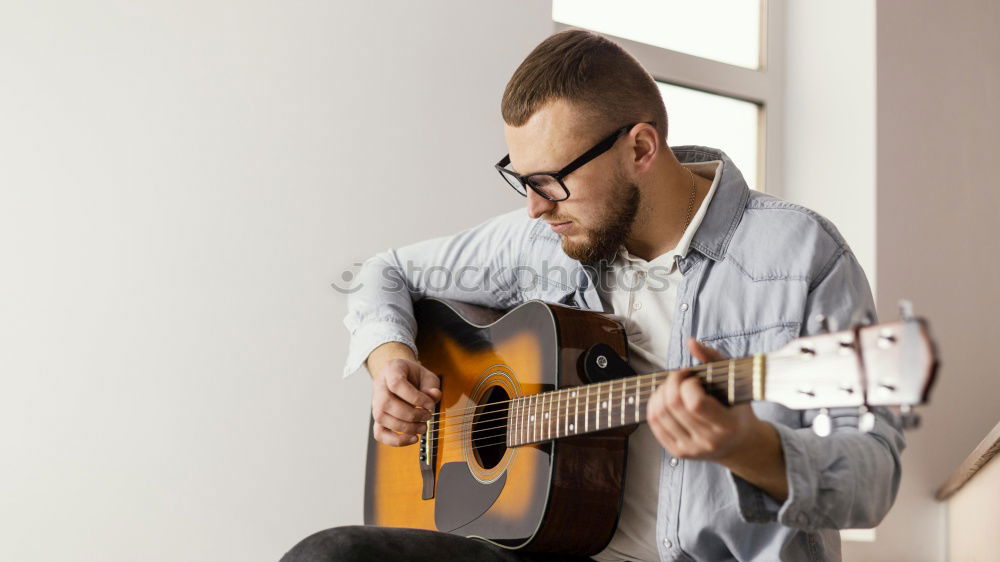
{"type": "Point", "coordinates": [763, 86]}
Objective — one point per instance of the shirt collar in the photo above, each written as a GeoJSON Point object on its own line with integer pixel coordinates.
{"type": "Point", "coordinates": [724, 212]}
{"type": "Point", "coordinates": [712, 169]}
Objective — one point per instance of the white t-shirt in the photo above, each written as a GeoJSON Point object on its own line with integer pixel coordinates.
{"type": "Point", "coordinates": [644, 297]}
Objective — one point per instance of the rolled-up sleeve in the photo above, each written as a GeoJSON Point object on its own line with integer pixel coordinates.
{"type": "Point", "coordinates": [848, 479]}
{"type": "Point", "coordinates": [475, 266]}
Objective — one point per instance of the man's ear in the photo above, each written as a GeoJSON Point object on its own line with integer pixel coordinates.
{"type": "Point", "coordinates": [645, 147]}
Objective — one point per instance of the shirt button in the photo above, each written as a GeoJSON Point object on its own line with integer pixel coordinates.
{"type": "Point", "coordinates": [668, 544]}
{"type": "Point", "coordinates": [684, 307]}
{"type": "Point", "coordinates": [636, 305]}
{"type": "Point", "coordinates": [673, 461]}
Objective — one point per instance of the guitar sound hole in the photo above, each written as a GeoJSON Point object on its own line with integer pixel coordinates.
{"type": "Point", "coordinates": [489, 428]}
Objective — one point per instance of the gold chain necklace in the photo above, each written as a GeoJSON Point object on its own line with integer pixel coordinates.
{"type": "Point", "coordinates": [690, 214]}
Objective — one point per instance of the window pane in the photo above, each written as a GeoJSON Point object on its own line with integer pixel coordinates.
{"type": "Point", "coordinates": [724, 30]}
{"type": "Point", "coordinates": [731, 125]}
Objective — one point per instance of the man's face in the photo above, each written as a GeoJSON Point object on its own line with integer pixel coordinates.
{"type": "Point", "coordinates": [603, 201]}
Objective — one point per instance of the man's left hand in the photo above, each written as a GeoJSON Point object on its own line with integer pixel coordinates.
{"type": "Point", "coordinates": [689, 422]}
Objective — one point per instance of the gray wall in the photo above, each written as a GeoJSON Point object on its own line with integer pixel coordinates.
{"type": "Point", "coordinates": [938, 203]}
{"type": "Point", "coordinates": [180, 182]}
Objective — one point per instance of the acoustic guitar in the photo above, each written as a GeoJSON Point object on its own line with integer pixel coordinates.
{"type": "Point", "coordinates": [527, 446]}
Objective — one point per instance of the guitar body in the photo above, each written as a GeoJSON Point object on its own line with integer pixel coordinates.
{"type": "Point", "coordinates": [559, 496]}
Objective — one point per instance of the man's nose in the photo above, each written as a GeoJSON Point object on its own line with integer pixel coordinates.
{"type": "Point", "coordinates": [538, 205]}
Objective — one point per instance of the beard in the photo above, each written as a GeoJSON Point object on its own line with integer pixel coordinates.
{"type": "Point", "coordinates": [601, 242]}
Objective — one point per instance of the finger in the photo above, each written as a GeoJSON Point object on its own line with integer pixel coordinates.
{"type": "Point", "coordinates": [430, 384]}
{"type": "Point", "coordinates": [393, 423]}
{"type": "Point", "coordinates": [383, 435]}
{"type": "Point", "coordinates": [653, 408]}
{"type": "Point", "coordinates": [661, 414]}
{"type": "Point", "coordinates": [665, 438]}
{"type": "Point", "coordinates": [398, 383]}
{"type": "Point", "coordinates": [695, 428]}
{"type": "Point", "coordinates": [699, 407]}
{"type": "Point", "coordinates": [403, 411]}
{"type": "Point", "coordinates": [703, 353]}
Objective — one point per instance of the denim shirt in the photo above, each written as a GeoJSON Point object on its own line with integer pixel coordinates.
{"type": "Point", "coordinates": [759, 274]}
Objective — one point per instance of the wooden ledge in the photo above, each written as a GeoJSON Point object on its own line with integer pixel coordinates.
{"type": "Point", "coordinates": [986, 450]}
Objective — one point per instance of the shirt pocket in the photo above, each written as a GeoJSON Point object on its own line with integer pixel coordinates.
{"type": "Point", "coordinates": [761, 339]}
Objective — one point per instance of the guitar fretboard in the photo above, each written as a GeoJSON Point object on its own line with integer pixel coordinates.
{"type": "Point", "coordinates": [621, 402]}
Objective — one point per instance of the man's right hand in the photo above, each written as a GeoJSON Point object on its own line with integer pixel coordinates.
{"type": "Point", "coordinates": [403, 394]}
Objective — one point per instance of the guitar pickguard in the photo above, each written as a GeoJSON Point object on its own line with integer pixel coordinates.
{"type": "Point", "coordinates": [461, 499]}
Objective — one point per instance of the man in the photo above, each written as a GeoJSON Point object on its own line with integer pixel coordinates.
{"type": "Point", "coordinates": [697, 267]}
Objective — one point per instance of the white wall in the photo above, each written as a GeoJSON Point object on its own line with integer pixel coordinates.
{"type": "Point", "coordinates": [928, 86]}
{"type": "Point", "coordinates": [829, 162]}
{"type": "Point", "coordinates": [180, 182]}
{"type": "Point", "coordinates": [938, 203]}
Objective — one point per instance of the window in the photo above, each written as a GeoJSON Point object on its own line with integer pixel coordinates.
{"type": "Point", "coordinates": [722, 30]}
{"type": "Point", "coordinates": [718, 65]}
{"type": "Point", "coordinates": [696, 117]}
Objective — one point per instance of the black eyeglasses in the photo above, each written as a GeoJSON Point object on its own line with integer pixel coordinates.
{"type": "Point", "coordinates": [550, 184]}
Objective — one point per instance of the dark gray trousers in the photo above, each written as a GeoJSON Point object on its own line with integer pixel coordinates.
{"type": "Point", "coordinates": [356, 543]}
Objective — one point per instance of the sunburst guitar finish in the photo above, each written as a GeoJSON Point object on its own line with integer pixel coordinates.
{"type": "Point", "coordinates": [464, 478]}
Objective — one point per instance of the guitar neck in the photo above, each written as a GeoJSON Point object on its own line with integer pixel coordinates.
{"type": "Point", "coordinates": [621, 402]}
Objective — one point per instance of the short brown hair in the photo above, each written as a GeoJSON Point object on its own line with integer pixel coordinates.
{"type": "Point", "coordinates": [609, 85]}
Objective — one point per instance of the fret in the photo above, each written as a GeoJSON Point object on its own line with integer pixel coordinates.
{"type": "Point", "coordinates": [555, 399]}
{"type": "Point", "coordinates": [732, 381]}
{"type": "Point", "coordinates": [511, 422]}
{"type": "Point", "coordinates": [525, 425]}
{"type": "Point", "coordinates": [652, 387]}
{"type": "Point", "coordinates": [636, 400]}
{"type": "Point", "coordinates": [549, 415]}
{"type": "Point", "coordinates": [557, 396]}
{"type": "Point", "coordinates": [566, 419]}
{"type": "Point", "coordinates": [624, 382]}
{"type": "Point", "coordinates": [547, 406]}
{"type": "Point", "coordinates": [522, 426]}
{"type": "Point", "coordinates": [570, 395]}
{"type": "Point", "coordinates": [598, 410]}
{"type": "Point", "coordinates": [576, 412]}
{"type": "Point", "coordinates": [565, 411]}
{"type": "Point", "coordinates": [540, 419]}
{"type": "Point", "coordinates": [609, 402]}
{"type": "Point", "coordinates": [586, 411]}
{"type": "Point", "coordinates": [525, 417]}
{"type": "Point", "coordinates": [600, 406]}
{"type": "Point", "coordinates": [534, 419]}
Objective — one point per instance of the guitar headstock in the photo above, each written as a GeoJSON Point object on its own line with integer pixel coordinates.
{"type": "Point", "coordinates": [889, 364]}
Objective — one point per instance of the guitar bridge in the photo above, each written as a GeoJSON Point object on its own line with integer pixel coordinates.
{"type": "Point", "coordinates": [426, 458]}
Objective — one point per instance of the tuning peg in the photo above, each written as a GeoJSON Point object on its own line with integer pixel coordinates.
{"type": "Point", "coordinates": [906, 309]}
{"type": "Point", "coordinates": [821, 423]}
{"type": "Point", "coordinates": [866, 419]}
{"type": "Point", "coordinates": [909, 418]}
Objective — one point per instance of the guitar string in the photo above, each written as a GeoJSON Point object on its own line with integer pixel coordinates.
{"type": "Point", "coordinates": [719, 389]}
{"type": "Point", "coordinates": [562, 409]}
{"type": "Point", "coordinates": [564, 397]}
{"type": "Point", "coordinates": [561, 419]}
{"type": "Point", "coordinates": [740, 372]}
{"type": "Point", "coordinates": [740, 369]}
{"type": "Point", "coordinates": [562, 412]}
{"type": "Point", "coordinates": [563, 400]}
